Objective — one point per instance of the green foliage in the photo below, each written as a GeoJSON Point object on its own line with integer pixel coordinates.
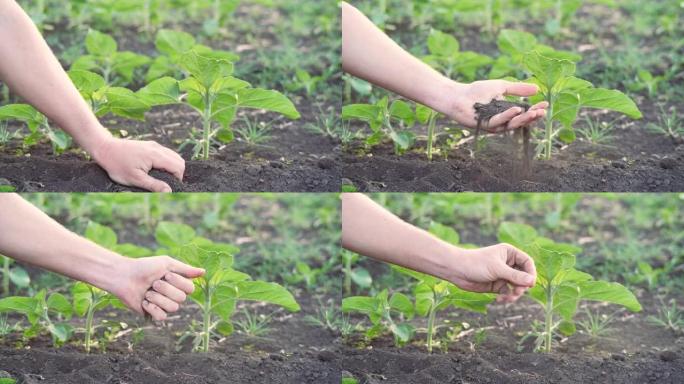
{"type": "Point", "coordinates": [40, 310]}
{"type": "Point", "coordinates": [211, 90]}
{"type": "Point", "coordinates": [356, 274]}
{"type": "Point", "coordinates": [14, 274]}
{"type": "Point", "coordinates": [381, 118]}
{"type": "Point", "coordinates": [219, 290]}
{"type": "Point", "coordinates": [386, 314]}
{"type": "Point", "coordinates": [104, 99]}
{"type": "Point", "coordinates": [445, 55]}
{"type": "Point", "coordinates": [560, 287]}
{"type": "Point", "coordinates": [86, 301]}
{"type": "Point", "coordinates": [104, 58]}
{"type": "Point", "coordinates": [38, 126]}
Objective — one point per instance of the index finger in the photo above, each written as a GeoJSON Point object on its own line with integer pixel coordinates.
{"type": "Point", "coordinates": [170, 162]}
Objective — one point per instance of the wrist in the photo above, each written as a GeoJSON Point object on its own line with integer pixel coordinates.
{"type": "Point", "coordinates": [441, 259]}
{"type": "Point", "coordinates": [448, 98]}
{"type": "Point", "coordinates": [112, 272]}
{"type": "Point", "coordinates": [96, 141]}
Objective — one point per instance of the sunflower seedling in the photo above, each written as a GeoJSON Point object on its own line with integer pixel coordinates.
{"type": "Point", "coordinates": [40, 311]}
{"type": "Point", "coordinates": [383, 311]}
{"type": "Point", "coordinates": [219, 290]}
{"type": "Point", "coordinates": [560, 287]}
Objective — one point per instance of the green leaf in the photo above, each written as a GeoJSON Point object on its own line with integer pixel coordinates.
{"type": "Point", "coordinates": [402, 332]}
{"type": "Point", "coordinates": [565, 108]}
{"type": "Point", "coordinates": [609, 99]}
{"type": "Point", "coordinates": [87, 82]}
{"type": "Point", "coordinates": [518, 235]}
{"type": "Point", "coordinates": [125, 103]}
{"type": "Point", "coordinates": [162, 91]}
{"type": "Point", "coordinates": [547, 70]}
{"type": "Point", "coordinates": [125, 63]}
{"type": "Point", "coordinates": [361, 277]}
{"type": "Point", "coordinates": [425, 298]}
{"type": "Point", "coordinates": [173, 43]}
{"type": "Point", "coordinates": [61, 332]}
{"type": "Point", "coordinates": [101, 235]}
{"type": "Point", "coordinates": [423, 113]}
{"type": "Point", "coordinates": [205, 69]}
{"type": "Point", "coordinates": [565, 301]}
{"type": "Point", "coordinates": [361, 304]}
{"type": "Point", "coordinates": [401, 303]}
{"type": "Point", "coordinates": [402, 140]}
{"type": "Point", "coordinates": [516, 43]}
{"type": "Point", "coordinates": [267, 292]}
{"type": "Point", "coordinates": [609, 292]}
{"type": "Point", "coordinates": [267, 100]}
{"type": "Point", "coordinates": [445, 233]}
{"type": "Point", "coordinates": [402, 111]}
{"type": "Point", "coordinates": [567, 135]}
{"type": "Point", "coordinates": [82, 298]}
{"type": "Point", "coordinates": [369, 113]}
{"type": "Point", "coordinates": [567, 327]}
{"type": "Point", "coordinates": [24, 113]}
{"type": "Point", "coordinates": [172, 235]}
{"type": "Point", "coordinates": [442, 44]}
{"type": "Point", "coordinates": [59, 304]}
{"type": "Point", "coordinates": [20, 304]}
{"type": "Point", "coordinates": [225, 328]}
{"type": "Point", "coordinates": [19, 277]}
{"type": "Point", "coordinates": [99, 44]}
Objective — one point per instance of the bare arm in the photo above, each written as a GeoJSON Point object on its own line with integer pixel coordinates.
{"type": "Point", "coordinates": [31, 70]}
{"type": "Point", "coordinates": [370, 230]}
{"type": "Point", "coordinates": [30, 236]}
{"type": "Point", "coordinates": [368, 53]}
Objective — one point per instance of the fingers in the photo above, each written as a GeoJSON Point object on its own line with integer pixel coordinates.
{"type": "Point", "coordinates": [498, 121]}
{"type": "Point", "coordinates": [522, 260]}
{"type": "Point", "coordinates": [163, 302]}
{"type": "Point", "coordinates": [145, 181]}
{"type": "Point", "coordinates": [520, 89]}
{"type": "Point", "coordinates": [170, 290]}
{"type": "Point", "coordinates": [169, 161]}
{"type": "Point", "coordinates": [154, 311]}
{"type": "Point", "coordinates": [526, 118]}
{"type": "Point", "coordinates": [186, 270]}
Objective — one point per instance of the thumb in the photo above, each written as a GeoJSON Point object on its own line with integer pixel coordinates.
{"type": "Point", "coordinates": [520, 89]}
{"type": "Point", "coordinates": [515, 276]}
{"type": "Point", "coordinates": [186, 270]}
{"type": "Point", "coordinates": [148, 182]}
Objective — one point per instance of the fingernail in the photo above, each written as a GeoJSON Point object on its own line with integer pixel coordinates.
{"type": "Point", "coordinates": [529, 280]}
{"type": "Point", "coordinates": [145, 303]}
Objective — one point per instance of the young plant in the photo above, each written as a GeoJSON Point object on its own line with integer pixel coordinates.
{"type": "Point", "coordinates": [38, 126]}
{"type": "Point", "coordinates": [567, 94]}
{"type": "Point", "coordinates": [380, 117]}
{"type": "Point", "coordinates": [104, 58]}
{"type": "Point", "coordinates": [219, 290]}
{"type": "Point", "coordinates": [88, 300]}
{"type": "Point", "coordinates": [560, 287]}
{"type": "Point", "coordinates": [670, 318]}
{"type": "Point", "coordinates": [445, 56]}
{"type": "Point", "coordinates": [104, 99]}
{"type": "Point", "coordinates": [210, 90]}
{"type": "Point", "coordinates": [381, 310]}
{"type": "Point", "coordinates": [670, 125]}
{"type": "Point", "coordinates": [433, 295]}
{"type": "Point", "coordinates": [13, 274]}
{"type": "Point", "coordinates": [39, 311]}
{"type": "Point", "coordinates": [359, 275]}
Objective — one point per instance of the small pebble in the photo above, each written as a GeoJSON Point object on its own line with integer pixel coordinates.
{"type": "Point", "coordinates": [668, 356]}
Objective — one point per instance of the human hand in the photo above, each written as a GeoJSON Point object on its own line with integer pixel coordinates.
{"type": "Point", "coordinates": [466, 95]}
{"type": "Point", "coordinates": [155, 285]}
{"type": "Point", "coordinates": [128, 162]}
{"type": "Point", "coordinates": [500, 268]}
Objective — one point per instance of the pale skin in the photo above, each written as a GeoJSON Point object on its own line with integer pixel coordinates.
{"type": "Point", "coordinates": [31, 70]}
{"type": "Point", "coordinates": [369, 54]}
{"type": "Point", "coordinates": [154, 285]}
{"type": "Point", "coordinates": [371, 230]}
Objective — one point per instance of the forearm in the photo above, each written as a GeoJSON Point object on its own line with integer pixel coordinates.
{"type": "Point", "coordinates": [370, 230]}
{"type": "Point", "coordinates": [30, 236]}
{"type": "Point", "coordinates": [31, 70]}
{"type": "Point", "coordinates": [368, 53]}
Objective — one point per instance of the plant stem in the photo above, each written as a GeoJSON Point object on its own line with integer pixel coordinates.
{"type": "Point", "coordinates": [217, 11]}
{"type": "Point", "coordinates": [549, 130]}
{"type": "Point", "coordinates": [431, 326]}
{"type": "Point", "coordinates": [89, 326]}
{"type": "Point", "coordinates": [5, 275]}
{"type": "Point", "coordinates": [206, 327]}
{"type": "Point", "coordinates": [548, 321]}
{"type": "Point", "coordinates": [206, 128]}
{"type": "Point", "coordinates": [431, 134]}
{"type": "Point", "coordinates": [347, 275]}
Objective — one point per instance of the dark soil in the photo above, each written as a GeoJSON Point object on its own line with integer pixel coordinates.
{"type": "Point", "coordinates": [634, 160]}
{"type": "Point", "coordinates": [634, 351]}
{"type": "Point", "coordinates": [292, 160]}
{"type": "Point", "coordinates": [307, 354]}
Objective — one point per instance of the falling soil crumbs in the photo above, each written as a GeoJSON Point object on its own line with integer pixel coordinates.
{"type": "Point", "coordinates": [485, 112]}
{"type": "Point", "coordinates": [307, 355]}
{"type": "Point", "coordinates": [633, 352]}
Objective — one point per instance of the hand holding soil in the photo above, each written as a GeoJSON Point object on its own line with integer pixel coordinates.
{"type": "Point", "coordinates": [467, 96]}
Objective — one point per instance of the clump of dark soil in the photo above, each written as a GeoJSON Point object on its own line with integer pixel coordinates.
{"type": "Point", "coordinates": [634, 351]}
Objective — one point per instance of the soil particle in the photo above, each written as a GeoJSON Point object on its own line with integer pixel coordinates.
{"type": "Point", "coordinates": [668, 356]}
{"type": "Point", "coordinates": [668, 163]}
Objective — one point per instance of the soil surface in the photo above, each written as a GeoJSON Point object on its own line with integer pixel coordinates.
{"type": "Point", "coordinates": [292, 160]}
{"type": "Point", "coordinates": [634, 160]}
{"type": "Point", "coordinates": [307, 355]}
{"type": "Point", "coordinates": [634, 351]}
